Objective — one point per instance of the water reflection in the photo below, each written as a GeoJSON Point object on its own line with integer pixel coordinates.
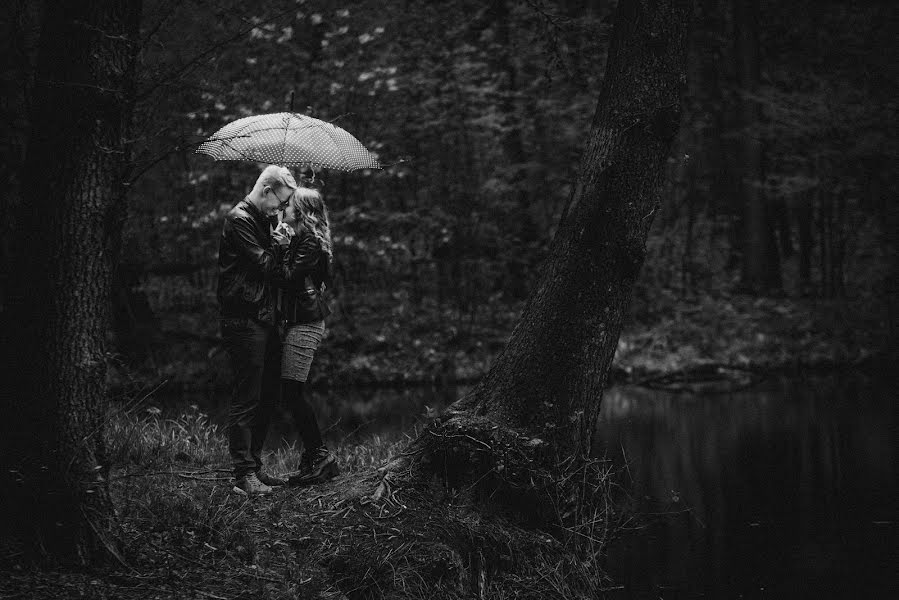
{"type": "Point", "coordinates": [784, 491]}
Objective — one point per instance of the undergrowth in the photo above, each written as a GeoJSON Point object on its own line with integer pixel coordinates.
{"type": "Point", "coordinates": [184, 534]}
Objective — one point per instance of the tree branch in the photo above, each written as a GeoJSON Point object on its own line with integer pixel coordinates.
{"type": "Point", "coordinates": [192, 62]}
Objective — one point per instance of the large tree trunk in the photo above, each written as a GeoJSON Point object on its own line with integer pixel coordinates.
{"type": "Point", "coordinates": [539, 403]}
{"type": "Point", "coordinates": [66, 245]}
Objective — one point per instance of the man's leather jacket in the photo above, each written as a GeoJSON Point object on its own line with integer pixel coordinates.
{"type": "Point", "coordinates": [247, 260]}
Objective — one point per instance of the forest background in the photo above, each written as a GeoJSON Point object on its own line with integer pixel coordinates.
{"type": "Point", "coordinates": [774, 247]}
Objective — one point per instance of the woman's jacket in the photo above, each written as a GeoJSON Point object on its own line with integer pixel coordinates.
{"type": "Point", "coordinates": [299, 285]}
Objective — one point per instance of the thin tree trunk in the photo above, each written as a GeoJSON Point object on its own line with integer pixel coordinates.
{"type": "Point", "coordinates": [839, 245]}
{"type": "Point", "coordinates": [784, 230]}
{"type": "Point", "coordinates": [68, 231]}
{"type": "Point", "coordinates": [804, 219]}
{"type": "Point", "coordinates": [687, 262]}
{"type": "Point", "coordinates": [825, 210]}
{"type": "Point", "coordinates": [543, 393]}
{"type": "Point", "coordinates": [761, 267]}
{"type": "Point", "coordinates": [685, 178]}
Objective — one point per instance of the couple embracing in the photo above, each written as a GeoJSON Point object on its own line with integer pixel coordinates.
{"type": "Point", "coordinates": [272, 273]}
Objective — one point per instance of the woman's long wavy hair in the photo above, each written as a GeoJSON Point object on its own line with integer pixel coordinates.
{"type": "Point", "coordinates": [313, 215]}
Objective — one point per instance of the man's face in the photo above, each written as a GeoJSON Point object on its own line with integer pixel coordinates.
{"type": "Point", "coordinates": [273, 202]}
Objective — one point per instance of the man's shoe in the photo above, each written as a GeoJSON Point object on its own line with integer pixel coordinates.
{"type": "Point", "coordinates": [270, 480]}
{"type": "Point", "coordinates": [249, 485]}
{"type": "Point", "coordinates": [316, 466]}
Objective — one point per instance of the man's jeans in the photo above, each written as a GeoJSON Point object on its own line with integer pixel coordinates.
{"type": "Point", "coordinates": [255, 352]}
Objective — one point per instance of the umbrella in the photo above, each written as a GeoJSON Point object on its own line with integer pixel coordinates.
{"type": "Point", "coordinates": [289, 139]}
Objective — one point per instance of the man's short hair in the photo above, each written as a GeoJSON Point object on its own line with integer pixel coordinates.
{"type": "Point", "coordinates": [275, 177]}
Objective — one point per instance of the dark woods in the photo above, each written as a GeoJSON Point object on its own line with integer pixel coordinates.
{"type": "Point", "coordinates": [785, 148]}
{"type": "Point", "coordinates": [778, 186]}
{"type": "Point", "coordinates": [779, 179]}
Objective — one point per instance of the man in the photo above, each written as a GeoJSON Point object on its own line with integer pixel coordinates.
{"type": "Point", "coordinates": [247, 259]}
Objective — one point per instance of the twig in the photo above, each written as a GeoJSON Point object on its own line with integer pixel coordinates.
{"type": "Point", "coordinates": [262, 577]}
{"type": "Point", "coordinates": [401, 509]}
{"type": "Point", "coordinates": [102, 536]}
{"type": "Point", "coordinates": [153, 30]}
{"type": "Point", "coordinates": [152, 162]}
{"type": "Point", "coordinates": [177, 73]}
{"type": "Point", "coordinates": [209, 595]}
{"type": "Point", "coordinates": [195, 478]}
{"type": "Point", "coordinates": [179, 556]}
{"type": "Point", "coordinates": [460, 435]}
{"type": "Point", "coordinates": [186, 474]}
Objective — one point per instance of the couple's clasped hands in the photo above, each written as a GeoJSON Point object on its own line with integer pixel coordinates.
{"type": "Point", "coordinates": [282, 234]}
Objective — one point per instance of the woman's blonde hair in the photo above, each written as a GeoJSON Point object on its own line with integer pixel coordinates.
{"type": "Point", "coordinates": [313, 214]}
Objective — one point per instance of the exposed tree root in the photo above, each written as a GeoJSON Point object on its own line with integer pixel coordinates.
{"type": "Point", "coordinates": [470, 469]}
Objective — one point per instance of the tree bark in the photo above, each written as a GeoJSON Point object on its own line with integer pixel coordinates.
{"type": "Point", "coordinates": [541, 398]}
{"type": "Point", "coordinates": [67, 232]}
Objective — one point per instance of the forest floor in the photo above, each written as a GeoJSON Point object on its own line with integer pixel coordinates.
{"type": "Point", "coordinates": [184, 533]}
{"type": "Point", "coordinates": [388, 340]}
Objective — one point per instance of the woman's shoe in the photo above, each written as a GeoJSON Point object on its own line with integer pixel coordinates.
{"type": "Point", "coordinates": [269, 479]}
{"type": "Point", "coordinates": [316, 466]}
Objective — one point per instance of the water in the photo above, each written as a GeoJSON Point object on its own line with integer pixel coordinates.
{"type": "Point", "coordinates": [785, 490]}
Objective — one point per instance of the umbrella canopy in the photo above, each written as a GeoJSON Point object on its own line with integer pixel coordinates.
{"type": "Point", "coordinates": [289, 140]}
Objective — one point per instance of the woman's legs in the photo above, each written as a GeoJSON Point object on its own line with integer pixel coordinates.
{"type": "Point", "coordinates": [318, 463]}
{"type": "Point", "coordinates": [303, 415]}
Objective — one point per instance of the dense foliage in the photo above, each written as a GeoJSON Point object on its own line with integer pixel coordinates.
{"type": "Point", "coordinates": [479, 112]}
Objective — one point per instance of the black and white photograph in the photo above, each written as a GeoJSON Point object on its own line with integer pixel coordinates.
{"type": "Point", "coordinates": [445, 300]}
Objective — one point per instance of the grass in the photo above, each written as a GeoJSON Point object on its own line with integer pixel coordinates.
{"type": "Point", "coordinates": [184, 534]}
{"type": "Point", "coordinates": [146, 438]}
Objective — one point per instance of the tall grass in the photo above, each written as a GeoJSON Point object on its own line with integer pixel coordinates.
{"type": "Point", "coordinates": [149, 438]}
{"type": "Point", "coordinates": [144, 437]}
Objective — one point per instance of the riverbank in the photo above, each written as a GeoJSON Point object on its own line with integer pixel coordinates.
{"type": "Point", "coordinates": [729, 336]}
{"type": "Point", "coordinates": [183, 533]}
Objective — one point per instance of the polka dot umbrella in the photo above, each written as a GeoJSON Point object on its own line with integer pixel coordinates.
{"type": "Point", "coordinates": [290, 140]}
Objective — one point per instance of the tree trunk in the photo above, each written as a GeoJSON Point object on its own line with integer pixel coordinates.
{"type": "Point", "coordinates": [68, 235]}
{"type": "Point", "coordinates": [541, 398]}
{"type": "Point", "coordinates": [761, 265]}
{"type": "Point", "coordinates": [805, 221]}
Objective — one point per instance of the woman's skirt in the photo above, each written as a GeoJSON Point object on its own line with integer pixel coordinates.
{"type": "Point", "coordinates": [300, 343]}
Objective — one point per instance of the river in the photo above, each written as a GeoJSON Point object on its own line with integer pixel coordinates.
{"type": "Point", "coordinates": [784, 490]}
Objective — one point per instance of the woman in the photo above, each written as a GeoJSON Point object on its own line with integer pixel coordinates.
{"type": "Point", "coordinates": [305, 272]}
